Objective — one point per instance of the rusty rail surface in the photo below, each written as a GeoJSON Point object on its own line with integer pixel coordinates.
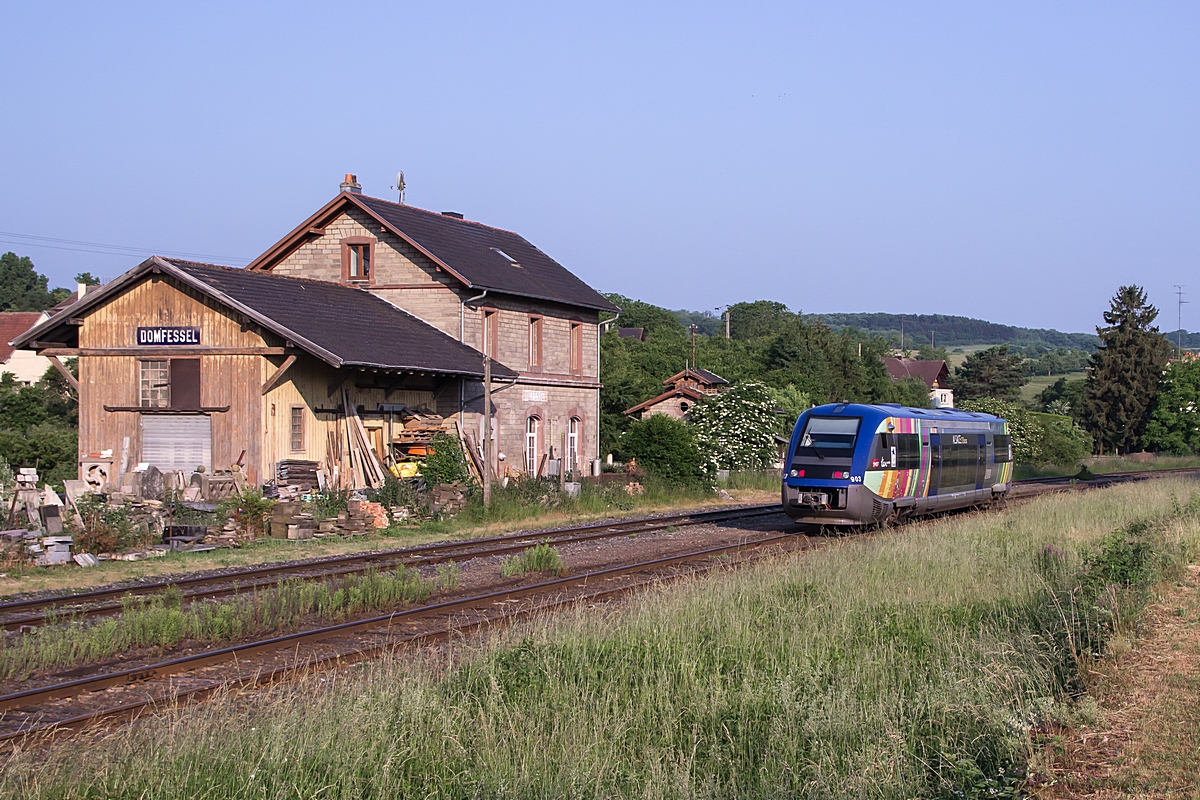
{"type": "Point", "coordinates": [41, 695]}
{"type": "Point", "coordinates": [228, 583]}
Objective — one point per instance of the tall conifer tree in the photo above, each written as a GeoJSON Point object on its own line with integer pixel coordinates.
{"type": "Point", "coordinates": [1124, 373]}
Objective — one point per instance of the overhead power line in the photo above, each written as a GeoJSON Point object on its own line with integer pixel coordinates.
{"type": "Point", "coordinates": [75, 245]}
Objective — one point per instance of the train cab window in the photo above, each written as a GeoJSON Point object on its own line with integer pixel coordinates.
{"type": "Point", "coordinates": [896, 451]}
{"type": "Point", "coordinates": [825, 436]}
{"type": "Point", "coordinates": [1003, 448]}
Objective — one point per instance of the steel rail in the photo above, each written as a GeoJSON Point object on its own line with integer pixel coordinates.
{"type": "Point", "coordinates": [432, 553]}
{"type": "Point", "coordinates": [125, 677]}
{"type": "Point", "coordinates": [357, 563]}
{"type": "Point", "coordinates": [361, 653]}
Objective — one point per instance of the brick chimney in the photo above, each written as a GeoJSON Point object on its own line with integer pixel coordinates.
{"type": "Point", "coordinates": [351, 184]}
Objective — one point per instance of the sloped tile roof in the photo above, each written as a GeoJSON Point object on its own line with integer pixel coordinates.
{"type": "Point", "coordinates": [486, 257]}
{"type": "Point", "coordinates": [344, 326]}
{"type": "Point", "coordinates": [354, 325]}
{"type": "Point", "coordinates": [12, 325]}
{"type": "Point", "coordinates": [928, 371]}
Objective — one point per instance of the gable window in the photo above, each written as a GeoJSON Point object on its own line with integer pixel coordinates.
{"type": "Point", "coordinates": [535, 343]}
{"type": "Point", "coordinates": [297, 428]}
{"type": "Point", "coordinates": [169, 383]}
{"type": "Point", "coordinates": [185, 383]}
{"type": "Point", "coordinates": [154, 379]}
{"type": "Point", "coordinates": [491, 329]}
{"type": "Point", "coordinates": [358, 255]}
{"type": "Point", "coordinates": [576, 343]}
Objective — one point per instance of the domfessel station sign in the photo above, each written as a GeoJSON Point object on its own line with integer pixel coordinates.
{"type": "Point", "coordinates": [167, 335]}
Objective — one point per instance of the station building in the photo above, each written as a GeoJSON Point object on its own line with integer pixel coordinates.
{"type": "Point", "coordinates": [382, 305]}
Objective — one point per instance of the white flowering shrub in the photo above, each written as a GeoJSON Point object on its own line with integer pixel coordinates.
{"type": "Point", "coordinates": [736, 429]}
{"type": "Point", "coordinates": [1174, 425]}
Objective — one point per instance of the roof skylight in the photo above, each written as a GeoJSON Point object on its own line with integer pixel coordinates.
{"type": "Point", "coordinates": [505, 256]}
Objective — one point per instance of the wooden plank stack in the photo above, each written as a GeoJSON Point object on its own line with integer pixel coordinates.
{"type": "Point", "coordinates": [301, 474]}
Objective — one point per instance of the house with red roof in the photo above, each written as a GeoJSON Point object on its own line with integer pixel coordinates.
{"type": "Point", "coordinates": [935, 375]}
{"type": "Point", "coordinates": [26, 365]}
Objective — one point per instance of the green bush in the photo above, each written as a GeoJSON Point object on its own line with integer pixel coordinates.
{"type": "Point", "coordinates": [1174, 425]}
{"type": "Point", "coordinates": [539, 558]}
{"type": "Point", "coordinates": [250, 510]}
{"type": "Point", "coordinates": [667, 447]}
{"type": "Point", "coordinates": [1037, 438]}
{"type": "Point", "coordinates": [445, 462]}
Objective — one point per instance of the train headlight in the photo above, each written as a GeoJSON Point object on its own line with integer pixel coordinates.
{"type": "Point", "coordinates": [794, 473]}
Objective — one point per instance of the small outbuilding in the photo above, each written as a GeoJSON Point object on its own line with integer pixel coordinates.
{"type": "Point", "coordinates": [685, 389]}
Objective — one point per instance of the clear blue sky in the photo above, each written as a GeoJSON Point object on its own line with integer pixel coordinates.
{"type": "Point", "coordinates": [1015, 162]}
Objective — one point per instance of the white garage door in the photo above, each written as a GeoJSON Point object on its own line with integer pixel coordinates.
{"type": "Point", "coordinates": [177, 441]}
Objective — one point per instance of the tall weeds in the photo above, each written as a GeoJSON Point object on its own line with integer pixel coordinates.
{"type": "Point", "coordinates": [910, 665]}
{"type": "Point", "coordinates": [163, 620]}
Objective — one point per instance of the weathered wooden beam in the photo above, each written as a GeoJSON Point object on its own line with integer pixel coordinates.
{"type": "Point", "coordinates": [338, 379]}
{"type": "Point", "coordinates": [278, 374]}
{"type": "Point", "coordinates": [93, 352]}
{"type": "Point", "coordinates": [151, 410]}
{"type": "Point", "coordinates": [66, 373]}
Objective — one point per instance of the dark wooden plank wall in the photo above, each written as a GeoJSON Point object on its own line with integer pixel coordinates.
{"type": "Point", "coordinates": [233, 381]}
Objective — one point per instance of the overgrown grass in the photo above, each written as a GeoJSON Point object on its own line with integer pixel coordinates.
{"type": "Point", "coordinates": [767, 480]}
{"type": "Point", "coordinates": [909, 665]}
{"type": "Point", "coordinates": [539, 558]}
{"type": "Point", "coordinates": [530, 499]}
{"type": "Point", "coordinates": [163, 621]}
{"type": "Point", "coordinates": [1104, 464]}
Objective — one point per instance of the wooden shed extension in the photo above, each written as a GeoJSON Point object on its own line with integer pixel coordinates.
{"type": "Point", "coordinates": [255, 365]}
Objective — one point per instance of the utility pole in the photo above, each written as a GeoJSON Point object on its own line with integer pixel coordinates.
{"type": "Point", "coordinates": [693, 327]}
{"type": "Point", "coordinates": [1179, 320]}
{"type": "Point", "coordinates": [487, 432]}
{"type": "Point", "coordinates": [727, 324]}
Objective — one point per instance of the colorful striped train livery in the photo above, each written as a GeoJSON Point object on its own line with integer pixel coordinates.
{"type": "Point", "coordinates": [852, 464]}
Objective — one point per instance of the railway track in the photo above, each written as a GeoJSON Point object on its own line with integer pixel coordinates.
{"type": "Point", "coordinates": [58, 706]}
{"type": "Point", "coordinates": [40, 709]}
{"type": "Point", "coordinates": [34, 612]}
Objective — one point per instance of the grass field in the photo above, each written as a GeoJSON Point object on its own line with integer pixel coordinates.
{"type": "Point", "coordinates": [1039, 382]}
{"type": "Point", "coordinates": [913, 664]}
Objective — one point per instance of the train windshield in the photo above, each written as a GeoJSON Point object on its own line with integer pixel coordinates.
{"type": "Point", "coordinates": [830, 435]}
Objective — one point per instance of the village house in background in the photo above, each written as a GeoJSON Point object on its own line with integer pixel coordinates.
{"type": "Point", "coordinates": [369, 310]}
{"type": "Point", "coordinates": [26, 366]}
{"type": "Point", "coordinates": [935, 374]}
{"type": "Point", "coordinates": [685, 389]}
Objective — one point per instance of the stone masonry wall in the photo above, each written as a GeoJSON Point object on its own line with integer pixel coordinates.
{"type": "Point", "coordinates": [553, 406]}
{"type": "Point", "coordinates": [408, 279]}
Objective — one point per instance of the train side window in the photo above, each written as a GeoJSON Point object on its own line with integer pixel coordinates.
{"type": "Point", "coordinates": [897, 451]}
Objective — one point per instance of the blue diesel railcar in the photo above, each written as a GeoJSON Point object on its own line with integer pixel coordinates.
{"type": "Point", "coordinates": [852, 464]}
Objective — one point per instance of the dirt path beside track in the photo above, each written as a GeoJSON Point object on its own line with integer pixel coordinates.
{"type": "Point", "coordinates": [1141, 738]}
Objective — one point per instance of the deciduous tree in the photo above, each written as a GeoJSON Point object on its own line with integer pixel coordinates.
{"type": "Point", "coordinates": [1174, 425]}
{"type": "Point", "coordinates": [21, 287]}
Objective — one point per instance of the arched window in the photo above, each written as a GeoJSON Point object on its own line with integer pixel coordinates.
{"type": "Point", "coordinates": [573, 427]}
{"type": "Point", "coordinates": [531, 445]}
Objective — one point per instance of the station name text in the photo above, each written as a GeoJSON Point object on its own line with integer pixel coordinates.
{"type": "Point", "coordinates": [168, 335]}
